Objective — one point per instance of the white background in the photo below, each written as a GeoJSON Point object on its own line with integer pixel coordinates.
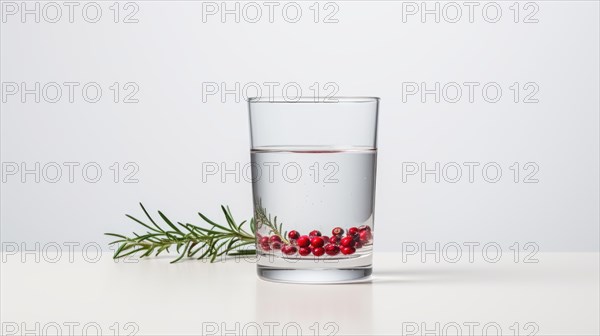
{"type": "Point", "coordinates": [170, 54]}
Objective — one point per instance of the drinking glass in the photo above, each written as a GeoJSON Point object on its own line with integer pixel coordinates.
{"type": "Point", "coordinates": [313, 164]}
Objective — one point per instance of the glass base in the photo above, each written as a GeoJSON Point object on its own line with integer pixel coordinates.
{"type": "Point", "coordinates": [315, 276]}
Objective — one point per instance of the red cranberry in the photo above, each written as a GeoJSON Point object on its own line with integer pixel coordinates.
{"type": "Point", "coordinates": [314, 233]}
{"type": "Point", "coordinates": [337, 231]}
{"type": "Point", "coordinates": [325, 239]}
{"type": "Point", "coordinates": [348, 250]}
{"type": "Point", "coordinates": [304, 251]}
{"type": "Point", "coordinates": [358, 245]}
{"type": "Point", "coordinates": [317, 242]}
{"type": "Point", "coordinates": [289, 250]}
{"type": "Point", "coordinates": [352, 231]}
{"type": "Point", "coordinates": [294, 234]}
{"type": "Point", "coordinates": [364, 228]}
{"type": "Point", "coordinates": [275, 239]}
{"type": "Point", "coordinates": [303, 241]}
{"type": "Point", "coordinates": [365, 236]}
{"type": "Point", "coordinates": [331, 249]}
{"type": "Point", "coordinates": [334, 240]}
{"type": "Point", "coordinates": [347, 242]}
{"type": "Point", "coordinates": [264, 243]}
{"type": "Point", "coordinates": [276, 245]}
{"type": "Point", "coordinates": [318, 251]}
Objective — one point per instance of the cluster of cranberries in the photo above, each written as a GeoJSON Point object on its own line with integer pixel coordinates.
{"type": "Point", "coordinates": [316, 244]}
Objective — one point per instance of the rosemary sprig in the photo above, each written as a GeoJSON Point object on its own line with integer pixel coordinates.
{"type": "Point", "coordinates": [263, 218]}
{"type": "Point", "coordinates": [188, 240]}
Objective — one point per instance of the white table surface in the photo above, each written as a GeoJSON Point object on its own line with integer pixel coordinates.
{"type": "Point", "coordinates": [559, 295]}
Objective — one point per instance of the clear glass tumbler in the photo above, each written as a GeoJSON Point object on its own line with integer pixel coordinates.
{"type": "Point", "coordinates": [313, 172]}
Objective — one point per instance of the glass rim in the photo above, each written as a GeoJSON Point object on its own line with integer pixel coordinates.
{"type": "Point", "coordinates": [314, 100]}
